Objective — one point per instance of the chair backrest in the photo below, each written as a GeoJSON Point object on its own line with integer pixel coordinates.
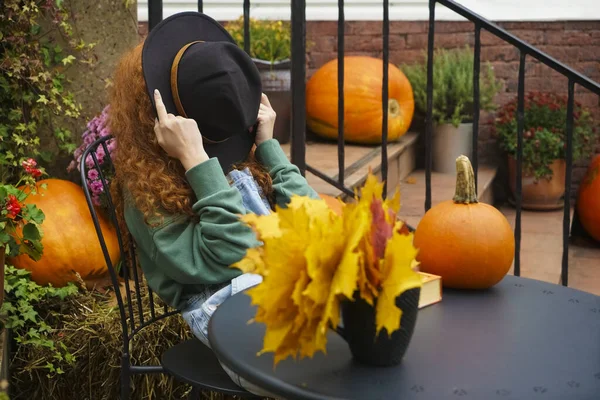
{"type": "Point", "coordinates": [134, 312]}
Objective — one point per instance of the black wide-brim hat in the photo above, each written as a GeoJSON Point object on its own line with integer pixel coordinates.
{"type": "Point", "coordinates": [202, 74]}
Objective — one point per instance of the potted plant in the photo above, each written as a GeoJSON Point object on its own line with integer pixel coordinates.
{"type": "Point", "coordinates": [452, 102]}
{"type": "Point", "coordinates": [270, 46]}
{"type": "Point", "coordinates": [544, 144]}
{"type": "Point", "coordinates": [20, 231]}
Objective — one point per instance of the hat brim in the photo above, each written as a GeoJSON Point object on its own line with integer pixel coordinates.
{"type": "Point", "coordinates": [160, 49]}
{"type": "Point", "coordinates": [164, 42]}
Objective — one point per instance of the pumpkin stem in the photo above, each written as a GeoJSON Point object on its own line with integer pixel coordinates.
{"type": "Point", "coordinates": [465, 182]}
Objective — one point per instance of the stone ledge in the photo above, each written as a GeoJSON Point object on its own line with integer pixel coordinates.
{"type": "Point", "coordinates": [323, 156]}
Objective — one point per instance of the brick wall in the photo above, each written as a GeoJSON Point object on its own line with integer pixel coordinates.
{"type": "Point", "coordinates": [577, 44]}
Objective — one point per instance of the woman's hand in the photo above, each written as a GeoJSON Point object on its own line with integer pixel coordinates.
{"type": "Point", "coordinates": [266, 121]}
{"type": "Point", "coordinates": [179, 137]}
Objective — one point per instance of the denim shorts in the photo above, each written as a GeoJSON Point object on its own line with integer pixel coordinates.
{"type": "Point", "coordinates": [200, 309]}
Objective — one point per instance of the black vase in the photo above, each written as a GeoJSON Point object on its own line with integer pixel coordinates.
{"type": "Point", "coordinates": [359, 330]}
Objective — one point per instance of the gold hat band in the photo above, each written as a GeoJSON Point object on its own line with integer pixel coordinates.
{"type": "Point", "coordinates": [175, 89]}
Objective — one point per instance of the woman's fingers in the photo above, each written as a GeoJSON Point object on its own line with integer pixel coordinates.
{"type": "Point", "coordinates": [158, 131]}
{"type": "Point", "coordinates": [265, 100]}
{"type": "Point", "coordinates": [161, 110]}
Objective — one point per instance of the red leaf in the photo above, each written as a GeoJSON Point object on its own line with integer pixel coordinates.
{"type": "Point", "coordinates": [381, 230]}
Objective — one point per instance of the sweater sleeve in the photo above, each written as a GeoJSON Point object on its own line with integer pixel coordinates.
{"type": "Point", "coordinates": [287, 180]}
{"type": "Point", "coordinates": [200, 251]}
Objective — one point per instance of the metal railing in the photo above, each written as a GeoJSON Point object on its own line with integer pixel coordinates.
{"type": "Point", "coordinates": [525, 49]}
{"type": "Point", "coordinates": [298, 78]}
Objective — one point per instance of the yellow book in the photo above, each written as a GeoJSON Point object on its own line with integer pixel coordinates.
{"type": "Point", "coordinates": [431, 291]}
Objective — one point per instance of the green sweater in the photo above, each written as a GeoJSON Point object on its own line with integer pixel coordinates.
{"type": "Point", "coordinates": [182, 255]}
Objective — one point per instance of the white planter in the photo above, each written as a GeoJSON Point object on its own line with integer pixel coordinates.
{"type": "Point", "coordinates": [449, 143]}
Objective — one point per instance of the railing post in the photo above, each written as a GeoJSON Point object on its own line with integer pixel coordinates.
{"type": "Point", "coordinates": [341, 104]}
{"type": "Point", "coordinates": [385, 94]}
{"type": "Point", "coordinates": [298, 78]}
{"type": "Point", "coordinates": [247, 26]}
{"type": "Point", "coordinates": [519, 183]}
{"type": "Point", "coordinates": [155, 13]}
{"type": "Point", "coordinates": [429, 117]}
{"type": "Point", "coordinates": [564, 273]}
{"type": "Point", "coordinates": [476, 103]}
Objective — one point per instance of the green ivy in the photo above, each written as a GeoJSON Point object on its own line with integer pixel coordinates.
{"type": "Point", "coordinates": [20, 310]}
{"type": "Point", "coordinates": [32, 81]}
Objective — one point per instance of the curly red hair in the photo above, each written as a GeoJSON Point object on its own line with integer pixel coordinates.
{"type": "Point", "coordinates": [155, 182]}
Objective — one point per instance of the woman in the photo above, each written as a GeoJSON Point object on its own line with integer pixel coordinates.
{"type": "Point", "coordinates": [190, 164]}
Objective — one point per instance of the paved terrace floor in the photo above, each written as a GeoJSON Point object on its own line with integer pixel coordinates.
{"type": "Point", "coordinates": [541, 251]}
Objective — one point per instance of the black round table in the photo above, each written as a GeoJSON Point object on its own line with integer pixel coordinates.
{"type": "Point", "coordinates": [522, 339]}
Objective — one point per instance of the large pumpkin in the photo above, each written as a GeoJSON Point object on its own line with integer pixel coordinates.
{"type": "Point", "coordinates": [70, 242]}
{"type": "Point", "coordinates": [363, 114]}
{"type": "Point", "coordinates": [469, 244]}
{"type": "Point", "coordinates": [588, 200]}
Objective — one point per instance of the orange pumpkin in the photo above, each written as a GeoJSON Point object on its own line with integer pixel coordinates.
{"type": "Point", "coordinates": [469, 244]}
{"type": "Point", "coordinates": [70, 242]}
{"type": "Point", "coordinates": [588, 200]}
{"type": "Point", "coordinates": [335, 204]}
{"type": "Point", "coordinates": [363, 115]}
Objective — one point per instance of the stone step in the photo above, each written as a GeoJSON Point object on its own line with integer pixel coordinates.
{"type": "Point", "coordinates": [323, 156]}
{"type": "Point", "coordinates": [412, 191]}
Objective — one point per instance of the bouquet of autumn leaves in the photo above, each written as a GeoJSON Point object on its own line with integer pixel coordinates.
{"type": "Point", "coordinates": [313, 259]}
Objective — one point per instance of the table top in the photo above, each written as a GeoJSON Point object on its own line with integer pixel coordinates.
{"type": "Point", "coordinates": [522, 339]}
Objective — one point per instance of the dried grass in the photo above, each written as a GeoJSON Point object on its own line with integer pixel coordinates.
{"type": "Point", "coordinates": [90, 327]}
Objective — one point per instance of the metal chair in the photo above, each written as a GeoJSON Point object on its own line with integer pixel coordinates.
{"type": "Point", "coordinates": [190, 361]}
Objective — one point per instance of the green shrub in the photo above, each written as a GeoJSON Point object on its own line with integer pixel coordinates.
{"type": "Point", "coordinates": [269, 40]}
{"type": "Point", "coordinates": [452, 86]}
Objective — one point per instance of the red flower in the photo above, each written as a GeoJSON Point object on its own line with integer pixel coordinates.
{"type": "Point", "coordinates": [29, 163]}
{"type": "Point", "coordinates": [13, 207]}
{"type": "Point", "coordinates": [30, 167]}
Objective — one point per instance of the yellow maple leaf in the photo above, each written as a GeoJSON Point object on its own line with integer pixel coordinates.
{"type": "Point", "coordinates": [252, 262]}
{"type": "Point", "coordinates": [299, 258]}
{"type": "Point", "coordinates": [266, 226]}
{"type": "Point", "coordinates": [284, 262]}
{"type": "Point", "coordinates": [398, 276]}
{"type": "Point", "coordinates": [372, 189]}
{"type": "Point", "coordinates": [393, 203]}
{"type": "Point", "coordinates": [345, 279]}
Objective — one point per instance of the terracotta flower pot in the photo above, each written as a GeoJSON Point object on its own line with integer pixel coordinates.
{"type": "Point", "coordinates": [541, 195]}
{"type": "Point", "coordinates": [359, 330]}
